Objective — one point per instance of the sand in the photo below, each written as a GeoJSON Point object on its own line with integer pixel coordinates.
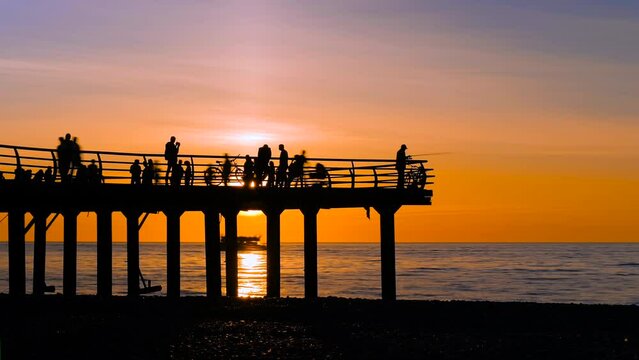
{"type": "Point", "coordinates": [327, 328]}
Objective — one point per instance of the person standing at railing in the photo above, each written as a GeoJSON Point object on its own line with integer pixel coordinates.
{"type": "Point", "coordinates": [296, 170]}
{"type": "Point", "coordinates": [261, 163]}
{"type": "Point", "coordinates": [48, 176]}
{"type": "Point", "coordinates": [188, 173]}
{"type": "Point", "coordinates": [271, 175]}
{"type": "Point", "coordinates": [171, 150]}
{"type": "Point", "coordinates": [282, 167]}
{"type": "Point", "coordinates": [76, 154]}
{"type": "Point", "coordinates": [248, 171]}
{"type": "Point", "coordinates": [93, 173]}
{"type": "Point", "coordinates": [65, 155]}
{"type": "Point", "coordinates": [400, 165]}
{"type": "Point", "coordinates": [177, 174]}
{"type": "Point", "coordinates": [135, 171]}
{"type": "Point", "coordinates": [226, 170]}
{"type": "Point", "coordinates": [148, 174]}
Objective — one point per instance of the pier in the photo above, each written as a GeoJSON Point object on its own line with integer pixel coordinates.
{"type": "Point", "coordinates": [346, 183]}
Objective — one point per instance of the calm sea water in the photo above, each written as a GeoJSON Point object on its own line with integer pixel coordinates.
{"type": "Point", "coordinates": [585, 273]}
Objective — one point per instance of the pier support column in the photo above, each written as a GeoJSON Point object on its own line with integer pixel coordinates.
{"type": "Point", "coordinates": [133, 252]}
{"type": "Point", "coordinates": [105, 250]}
{"type": "Point", "coordinates": [387, 235]}
{"type": "Point", "coordinates": [173, 253]}
{"type": "Point", "coordinates": [310, 252]}
{"type": "Point", "coordinates": [212, 253]}
{"type": "Point", "coordinates": [273, 251]}
{"type": "Point", "coordinates": [230, 229]}
{"type": "Point", "coordinates": [70, 253]}
{"type": "Point", "coordinates": [17, 267]}
{"type": "Point", "coordinates": [39, 251]}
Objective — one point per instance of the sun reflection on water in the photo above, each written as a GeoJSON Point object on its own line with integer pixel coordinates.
{"type": "Point", "coordinates": [252, 273]}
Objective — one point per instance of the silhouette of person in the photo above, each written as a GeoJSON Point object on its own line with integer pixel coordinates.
{"type": "Point", "coordinates": [48, 175]}
{"type": "Point", "coordinates": [76, 157]}
{"type": "Point", "coordinates": [271, 174]}
{"type": "Point", "coordinates": [38, 177]}
{"type": "Point", "coordinates": [148, 174]}
{"type": "Point", "coordinates": [248, 171]}
{"type": "Point", "coordinates": [65, 156]}
{"type": "Point", "coordinates": [400, 165]}
{"type": "Point", "coordinates": [208, 175]}
{"type": "Point", "coordinates": [188, 173]}
{"type": "Point", "coordinates": [296, 170]}
{"type": "Point", "coordinates": [282, 166]}
{"type": "Point", "coordinates": [177, 174]}
{"type": "Point", "coordinates": [93, 173]}
{"type": "Point", "coordinates": [171, 150]}
{"type": "Point", "coordinates": [226, 170]}
{"type": "Point", "coordinates": [136, 172]}
{"type": "Point", "coordinates": [261, 163]}
{"type": "Point", "coordinates": [81, 176]}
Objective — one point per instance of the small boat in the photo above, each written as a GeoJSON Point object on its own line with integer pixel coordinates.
{"type": "Point", "coordinates": [244, 243]}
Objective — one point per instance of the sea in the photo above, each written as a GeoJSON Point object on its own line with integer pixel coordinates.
{"type": "Point", "coordinates": [525, 272]}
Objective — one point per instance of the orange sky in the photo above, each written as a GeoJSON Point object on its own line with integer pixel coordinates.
{"type": "Point", "coordinates": [535, 104]}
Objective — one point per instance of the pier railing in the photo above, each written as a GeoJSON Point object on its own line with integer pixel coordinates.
{"type": "Point", "coordinates": [114, 168]}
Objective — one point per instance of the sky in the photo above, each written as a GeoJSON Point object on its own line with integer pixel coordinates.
{"type": "Point", "coordinates": [533, 103]}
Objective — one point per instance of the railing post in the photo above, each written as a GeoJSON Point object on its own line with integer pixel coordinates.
{"type": "Point", "coordinates": [70, 255]}
{"type": "Point", "coordinates": [387, 246]}
{"type": "Point", "coordinates": [105, 250]}
{"type": "Point", "coordinates": [352, 171]}
{"type": "Point", "coordinates": [173, 253]}
{"type": "Point", "coordinates": [132, 252]}
{"type": "Point", "coordinates": [273, 251]}
{"type": "Point", "coordinates": [230, 225]}
{"type": "Point", "coordinates": [310, 252]}
{"type": "Point", "coordinates": [212, 253]}
{"type": "Point", "coordinates": [39, 251]}
{"type": "Point", "coordinates": [17, 266]}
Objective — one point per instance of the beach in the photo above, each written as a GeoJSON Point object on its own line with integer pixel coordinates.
{"type": "Point", "coordinates": [326, 328]}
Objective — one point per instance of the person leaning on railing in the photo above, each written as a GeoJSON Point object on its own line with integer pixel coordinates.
{"type": "Point", "coordinates": [400, 165]}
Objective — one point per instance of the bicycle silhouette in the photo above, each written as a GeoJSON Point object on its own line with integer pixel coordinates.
{"type": "Point", "coordinates": [215, 175]}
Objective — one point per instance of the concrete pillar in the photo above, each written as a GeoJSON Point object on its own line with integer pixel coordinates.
{"type": "Point", "coordinates": [387, 236]}
{"type": "Point", "coordinates": [310, 252]}
{"type": "Point", "coordinates": [133, 253]}
{"type": "Point", "coordinates": [70, 253]}
{"type": "Point", "coordinates": [230, 225]}
{"type": "Point", "coordinates": [39, 251]}
{"type": "Point", "coordinates": [173, 253]}
{"type": "Point", "coordinates": [105, 250]}
{"type": "Point", "coordinates": [17, 266]}
{"type": "Point", "coordinates": [273, 252]}
{"type": "Point", "coordinates": [212, 253]}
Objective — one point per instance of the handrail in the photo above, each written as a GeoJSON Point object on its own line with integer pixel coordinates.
{"type": "Point", "coordinates": [114, 167]}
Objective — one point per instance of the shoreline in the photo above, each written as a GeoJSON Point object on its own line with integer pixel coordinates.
{"type": "Point", "coordinates": [196, 327]}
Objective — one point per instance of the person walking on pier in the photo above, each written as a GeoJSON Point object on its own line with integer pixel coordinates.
{"type": "Point", "coordinates": [282, 167]}
{"type": "Point", "coordinates": [135, 171]}
{"type": "Point", "coordinates": [171, 150]}
{"type": "Point", "coordinates": [248, 171]}
{"type": "Point", "coordinates": [400, 165]}
{"type": "Point", "coordinates": [261, 163]}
